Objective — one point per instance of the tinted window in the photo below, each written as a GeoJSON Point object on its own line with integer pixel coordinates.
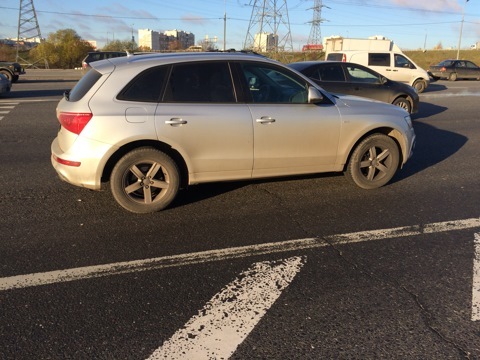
{"type": "Point", "coordinates": [85, 84]}
{"type": "Point", "coordinates": [269, 84]}
{"type": "Point", "coordinates": [335, 57]}
{"type": "Point", "coordinates": [200, 82]}
{"type": "Point", "coordinates": [378, 59]}
{"type": "Point", "coordinates": [146, 86]}
{"type": "Point", "coordinates": [331, 73]}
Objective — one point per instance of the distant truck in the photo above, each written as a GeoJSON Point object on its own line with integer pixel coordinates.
{"type": "Point", "coordinates": [379, 54]}
{"type": "Point", "coordinates": [373, 43]}
{"type": "Point", "coordinates": [11, 70]}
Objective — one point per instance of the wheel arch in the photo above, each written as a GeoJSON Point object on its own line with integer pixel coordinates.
{"type": "Point", "coordinates": [390, 132]}
{"type": "Point", "coordinates": [167, 149]}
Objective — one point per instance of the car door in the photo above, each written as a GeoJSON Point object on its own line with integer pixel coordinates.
{"type": "Point", "coordinates": [472, 71]}
{"type": "Point", "coordinates": [364, 82]}
{"type": "Point", "coordinates": [291, 136]}
{"type": "Point", "coordinates": [200, 117]}
{"type": "Point", "coordinates": [402, 69]}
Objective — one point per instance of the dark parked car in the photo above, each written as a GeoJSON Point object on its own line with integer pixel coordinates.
{"type": "Point", "coordinates": [100, 55]}
{"type": "Point", "coordinates": [455, 69]}
{"type": "Point", "coordinates": [354, 79]}
{"type": "Point", "coordinates": [12, 70]}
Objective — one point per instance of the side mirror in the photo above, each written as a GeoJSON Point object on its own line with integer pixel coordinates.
{"type": "Point", "coordinates": [314, 96]}
{"type": "Point", "coordinates": [383, 80]}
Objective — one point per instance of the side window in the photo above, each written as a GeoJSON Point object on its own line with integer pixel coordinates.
{"type": "Point", "coordinates": [403, 62]}
{"type": "Point", "coordinates": [378, 59]}
{"type": "Point", "coordinates": [332, 73]}
{"type": "Point", "coordinates": [269, 84]}
{"type": "Point", "coordinates": [200, 82]}
{"type": "Point", "coordinates": [470, 65]}
{"type": "Point", "coordinates": [146, 86]}
{"type": "Point", "coordinates": [362, 75]}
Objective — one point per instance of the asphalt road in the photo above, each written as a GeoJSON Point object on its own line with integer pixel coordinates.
{"type": "Point", "coordinates": [297, 268]}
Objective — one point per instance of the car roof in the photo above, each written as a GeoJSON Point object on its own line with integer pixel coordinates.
{"type": "Point", "coordinates": [166, 58]}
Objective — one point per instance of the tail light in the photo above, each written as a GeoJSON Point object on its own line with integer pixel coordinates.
{"type": "Point", "coordinates": [344, 58]}
{"type": "Point", "coordinates": [74, 122]}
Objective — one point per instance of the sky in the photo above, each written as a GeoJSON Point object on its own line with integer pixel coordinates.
{"type": "Point", "coordinates": [411, 24]}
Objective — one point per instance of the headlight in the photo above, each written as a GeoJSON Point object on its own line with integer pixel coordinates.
{"type": "Point", "coordinates": [408, 120]}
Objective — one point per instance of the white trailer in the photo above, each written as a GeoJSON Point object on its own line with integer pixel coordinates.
{"type": "Point", "coordinates": [373, 43]}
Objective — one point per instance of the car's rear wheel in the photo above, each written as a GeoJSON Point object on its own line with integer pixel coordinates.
{"type": "Point", "coordinates": [145, 180]}
{"type": "Point", "coordinates": [452, 77]}
{"type": "Point", "coordinates": [403, 103]}
{"type": "Point", "coordinates": [420, 85]}
{"type": "Point", "coordinates": [374, 161]}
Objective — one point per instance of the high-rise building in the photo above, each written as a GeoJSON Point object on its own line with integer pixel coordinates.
{"type": "Point", "coordinates": [149, 39]}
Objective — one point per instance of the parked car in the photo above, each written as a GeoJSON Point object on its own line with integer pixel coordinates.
{"type": "Point", "coordinates": [12, 70]}
{"type": "Point", "coordinates": [355, 79]}
{"type": "Point", "coordinates": [5, 85]}
{"type": "Point", "coordinates": [100, 55]}
{"type": "Point", "coordinates": [455, 69]}
{"type": "Point", "coordinates": [156, 123]}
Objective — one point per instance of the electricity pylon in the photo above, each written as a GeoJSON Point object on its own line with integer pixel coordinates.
{"type": "Point", "coordinates": [28, 28]}
{"type": "Point", "coordinates": [269, 17]}
{"type": "Point", "coordinates": [315, 37]}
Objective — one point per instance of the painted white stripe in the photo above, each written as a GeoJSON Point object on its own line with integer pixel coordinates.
{"type": "Point", "coordinates": [4, 112]}
{"type": "Point", "coordinates": [228, 318]}
{"type": "Point", "coordinates": [7, 107]}
{"type": "Point", "coordinates": [476, 280]}
{"type": "Point", "coordinates": [1, 118]}
{"type": "Point", "coordinates": [57, 276]}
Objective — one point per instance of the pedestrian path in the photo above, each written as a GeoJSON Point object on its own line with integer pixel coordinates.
{"type": "Point", "coordinates": [5, 108]}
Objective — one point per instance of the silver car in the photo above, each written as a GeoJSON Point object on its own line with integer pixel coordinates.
{"type": "Point", "coordinates": [155, 123]}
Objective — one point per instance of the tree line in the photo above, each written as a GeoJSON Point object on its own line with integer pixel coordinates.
{"type": "Point", "coordinates": [64, 49]}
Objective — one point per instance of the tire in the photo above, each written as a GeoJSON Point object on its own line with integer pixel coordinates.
{"type": "Point", "coordinates": [374, 162]}
{"type": "Point", "coordinates": [403, 103]}
{"type": "Point", "coordinates": [145, 180]}
{"type": "Point", "coordinates": [452, 77]}
{"type": "Point", "coordinates": [7, 74]}
{"type": "Point", "coordinates": [420, 85]}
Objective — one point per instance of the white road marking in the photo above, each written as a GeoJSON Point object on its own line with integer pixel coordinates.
{"type": "Point", "coordinates": [95, 271]}
{"type": "Point", "coordinates": [476, 280]}
{"type": "Point", "coordinates": [227, 319]}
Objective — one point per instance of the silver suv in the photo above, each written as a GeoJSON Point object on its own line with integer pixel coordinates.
{"type": "Point", "coordinates": [152, 124]}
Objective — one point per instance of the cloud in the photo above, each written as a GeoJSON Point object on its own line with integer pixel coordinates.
{"type": "Point", "coordinates": [195, 19]}
{"type": "Point", "coordinates": [437, 5]}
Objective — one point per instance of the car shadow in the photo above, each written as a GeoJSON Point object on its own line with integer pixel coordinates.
{"type": "Point", "coordinates": [426, 110]}
{"type": "Point", "coordinates": [434, 87]}
{"type": "Point", "coordinates": [432, 146]}
{"type": "Point", "coordinates": [24, 94]}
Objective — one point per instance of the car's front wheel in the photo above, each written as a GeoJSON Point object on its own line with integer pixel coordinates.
{"type": "Point", "coordinates": [145, 180]}
{"type": "Point", "coordinates": [374, 161]}
{"type": "Point", "coordinates": [403, 103]}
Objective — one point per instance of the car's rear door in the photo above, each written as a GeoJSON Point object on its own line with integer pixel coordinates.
{"type": "Point", "coordinates": [200, 117]}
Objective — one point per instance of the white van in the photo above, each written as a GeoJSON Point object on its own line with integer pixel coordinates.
{"type": "Point", "coordinates": [393, 65]}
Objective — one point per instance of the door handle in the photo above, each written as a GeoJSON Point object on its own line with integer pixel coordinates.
{"type": "Point", "coordinates": [175, 121]}
{"type": "Point", "coordinates": [265, 120]}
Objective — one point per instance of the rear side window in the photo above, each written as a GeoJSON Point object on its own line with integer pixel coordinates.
{"type": "Point", "coordinates": [331, 73]}
{"type": "Point", "coordinates": [378, 59]}
{"type": "Point", "coordinates": [200, 82]}
{"type": "Point", "coordinates": [145, 87]}
{"type": "Point", "coordinates": [85, 84]}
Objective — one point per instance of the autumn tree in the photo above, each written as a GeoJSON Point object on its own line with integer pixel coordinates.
{"type": "Point", "coordinates": [119, 45]}
{"type": "Point", "coordinates": [63, 49]}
